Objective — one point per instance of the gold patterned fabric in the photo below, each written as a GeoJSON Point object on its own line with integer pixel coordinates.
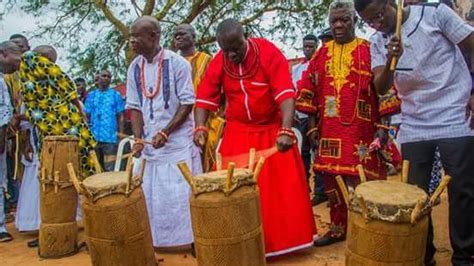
{"type": "Point", "coordinates": [48, 94]}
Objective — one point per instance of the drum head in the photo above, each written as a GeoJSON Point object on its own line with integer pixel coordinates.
{"type": "Point", "coordinates": [66, 138]}
{"type": "Point", "coordinates": [104, 184]}
{"type": "Point", "coordinates": [216, 181]}
{"type": "Point", "coordinates": [388, 200]}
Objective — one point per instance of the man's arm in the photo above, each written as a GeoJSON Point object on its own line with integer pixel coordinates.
{"type": "Point", "coordinates": [120, 122]}
{"type": "Point", "coordinates": [284, 141]}
{"type": "Point", "coordinates": [179, 118]}
{"type": "Point", "coordinates": [467, 47]}
{"type": "Point", "coordinates": [383, 76]}
{"type": "Point", "coordinates": [137, 123]}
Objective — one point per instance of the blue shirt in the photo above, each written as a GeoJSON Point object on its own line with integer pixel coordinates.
{"type": "Point", "coordinates": [103, 108]}
{"type": "Point", "coordinates": [432, 77]}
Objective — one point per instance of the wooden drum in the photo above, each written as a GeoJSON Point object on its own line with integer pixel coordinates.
{"type": "Point", "coordinates": [381, 230]}
{"type": "Point", "coordinates": [58, 198]}
{"type": "Point", "coordinates": [116, 219]}
{"type": "Point", "coordinates": [226, 220]}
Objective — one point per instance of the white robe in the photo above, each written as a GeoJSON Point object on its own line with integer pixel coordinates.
{"type": "Point", "coordinates": [166, 191]}
{"type": "Point", "coordinates": [28, 211]}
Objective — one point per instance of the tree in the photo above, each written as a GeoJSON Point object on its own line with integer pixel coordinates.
{"type": "Point", "coordinates": [96, 32]}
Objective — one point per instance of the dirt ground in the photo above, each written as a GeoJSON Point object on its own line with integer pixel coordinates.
{"type": "Point", "coordinates": [17, 253]}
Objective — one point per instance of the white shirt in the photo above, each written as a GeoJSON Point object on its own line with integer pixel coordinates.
{"type": "Point", "coordinates": [432, 78]}
{"type": "Point", "coordinates": [158, 112]}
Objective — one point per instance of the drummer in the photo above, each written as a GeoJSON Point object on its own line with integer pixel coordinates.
{"type": "Point", "coordinates": [160, 94]}
{"type": "Point", "coordinates": [435, 88]}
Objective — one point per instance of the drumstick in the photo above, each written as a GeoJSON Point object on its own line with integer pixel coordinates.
{"type": "Point", "coordinates": [361, 171]}
{"type": "Point", "coordinates": [73, 177]}
{"type": "Point", "coordinates": [121, 135]}
{"type": "Point", "coordinates": [258, 169]}
{"type": "Point", "coordinates": [218, 161]}
{"type": "Point", "coordinates": [342, 186]}
{"type": "Point", "coordinates": [252, 155]}
{"type": "Point", "coordinates": [363, 206]}
{"type": "Point", "coordinates": [128, 168]}
{"type": "Point", "coordinates": [129, 180]}
{"type": "Point", "coordinates": [96, 163]}
{"type": "Point", "coordinates": [443, 184]}
{"type": "Point", "coordinates": [230, 174]}
{"type": "Point", "coordinates": [398, 32]}
{"type": "Point", "coordinates": [183, 167]}
{"type": "Point", "coordinates": [405, 170]}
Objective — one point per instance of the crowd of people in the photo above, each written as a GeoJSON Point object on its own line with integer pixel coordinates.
{"type": "Point", "coordinates": [349, 105]}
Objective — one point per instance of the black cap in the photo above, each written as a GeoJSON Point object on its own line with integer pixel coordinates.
{"type": "Point", "coordinates": [325, 34]}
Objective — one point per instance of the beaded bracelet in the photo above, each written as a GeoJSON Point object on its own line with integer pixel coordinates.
{"type": "Point", "coordinates": [287, 132]}
{"type": "Point", "coordinates": [382, 126]}
{"type": "Point", "coordinates": [163, 134]}
{"type": "Point", "coordinates": [311, 131]}
{"type": "Point", "coordinates": [200, 128]}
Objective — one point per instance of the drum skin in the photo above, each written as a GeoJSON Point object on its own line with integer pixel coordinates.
{"type": "Point", "coordinates": [58, 208]}
{"type": "Point", "coordinates": [387, 237]}
{"type": "Point", "coordinates": [227, 229]}
{"type": "Point", "coordinates": [117, 229]}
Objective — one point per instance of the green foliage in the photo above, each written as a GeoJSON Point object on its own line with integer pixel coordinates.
{"type": "Point", "coordinates": [96, 40]}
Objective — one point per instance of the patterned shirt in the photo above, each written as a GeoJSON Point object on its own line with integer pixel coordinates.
{"type": "Point", "coordinates": [103, 108]}
{"type": "Point", "coordinates": [432, 78]}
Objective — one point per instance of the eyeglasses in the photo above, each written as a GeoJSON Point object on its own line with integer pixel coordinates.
{"type": "Point", "coordinates": [378, 16]}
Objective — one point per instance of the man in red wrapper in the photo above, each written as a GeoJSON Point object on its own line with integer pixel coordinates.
{"type": "Point", "coordinates": [255, 79]}
{"type": "Point", "coordinates": [337, 88]}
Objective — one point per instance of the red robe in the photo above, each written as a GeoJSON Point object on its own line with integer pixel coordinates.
{"type": "Point", "coordinates": [254, 90]}
{"type": "Point", "coordinates": [337, 84]}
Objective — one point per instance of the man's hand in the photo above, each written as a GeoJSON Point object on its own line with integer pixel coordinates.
{"type": "Point", "coordinates": [200, 138]}
{"type": "Point", "coordinates": [158, 141]}
{"type": "Point", "coordinates": [394, 48]}
{"type": "Point", "coordinates": [313, 138]}
{"type": "Point", "coordinates": [381, 134]}
{"type": "Point", "coordinates": [284, 143]}
{"type": "Point", "coordinates": [28, 152]}
{"type": "Point", "coordinates": [137, 149]}
{"type": "Point", "coordinates": [470, 110]}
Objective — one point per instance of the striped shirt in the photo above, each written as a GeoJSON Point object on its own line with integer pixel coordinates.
{"type": "Point", "coordinates": [432, 78]}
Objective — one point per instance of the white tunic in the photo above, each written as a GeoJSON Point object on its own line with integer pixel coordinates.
{"type": "Point", "coordinates": [166, 191]}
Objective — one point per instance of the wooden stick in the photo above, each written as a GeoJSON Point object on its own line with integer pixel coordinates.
{"type": "Point", "coordinates": [398, 32]}
{"type": "Point", "coordinates": [97, 167]}
{"type": "Point", "coordinates": [129, 168]}
{"type": "Point", "coordinates": [73, 177]}
{"type": "Point", "coordinates": [342, 186]}
{"type": "Point", "coordinates": [121, 135]}
{"type": "Point", "coordinates": [442, 185]}
{"type": "Point", "coordinates": [219, 161]}
{"type": "Point", "coordinates": [363, 206]}
{"type": "Point", "coordinates": [129, 180]}
{"type": "Point", "coordinates": [230, 174]}
{"type": "Point", "coordinates": [405, 170]}
{"type": "Point", "coordinates": [417, 211]}
{"type": "Point", "coordinates": [113, 158]}
{"type": "Point", "coordinates": [183, 167]}
{"type": "Point", "coordinates": [252, 156]}
{"type": "Point", "coordinates": [363, 177]}
{"type": "Point", "coordinates": [56, 181]}
{"type": "Point", "coordinates": [43, 178]}
{"type": "Point", "coordinates": [258, 169]}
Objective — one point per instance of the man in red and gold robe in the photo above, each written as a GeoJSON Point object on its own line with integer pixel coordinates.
{"type": "Point", "coordinates": [337, 88]}
{"type": "Point", "coordinates": [255, 79]}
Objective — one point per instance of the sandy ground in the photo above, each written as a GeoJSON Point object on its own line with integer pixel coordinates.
{"type": "Point", "coordinates": [17, 252]}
